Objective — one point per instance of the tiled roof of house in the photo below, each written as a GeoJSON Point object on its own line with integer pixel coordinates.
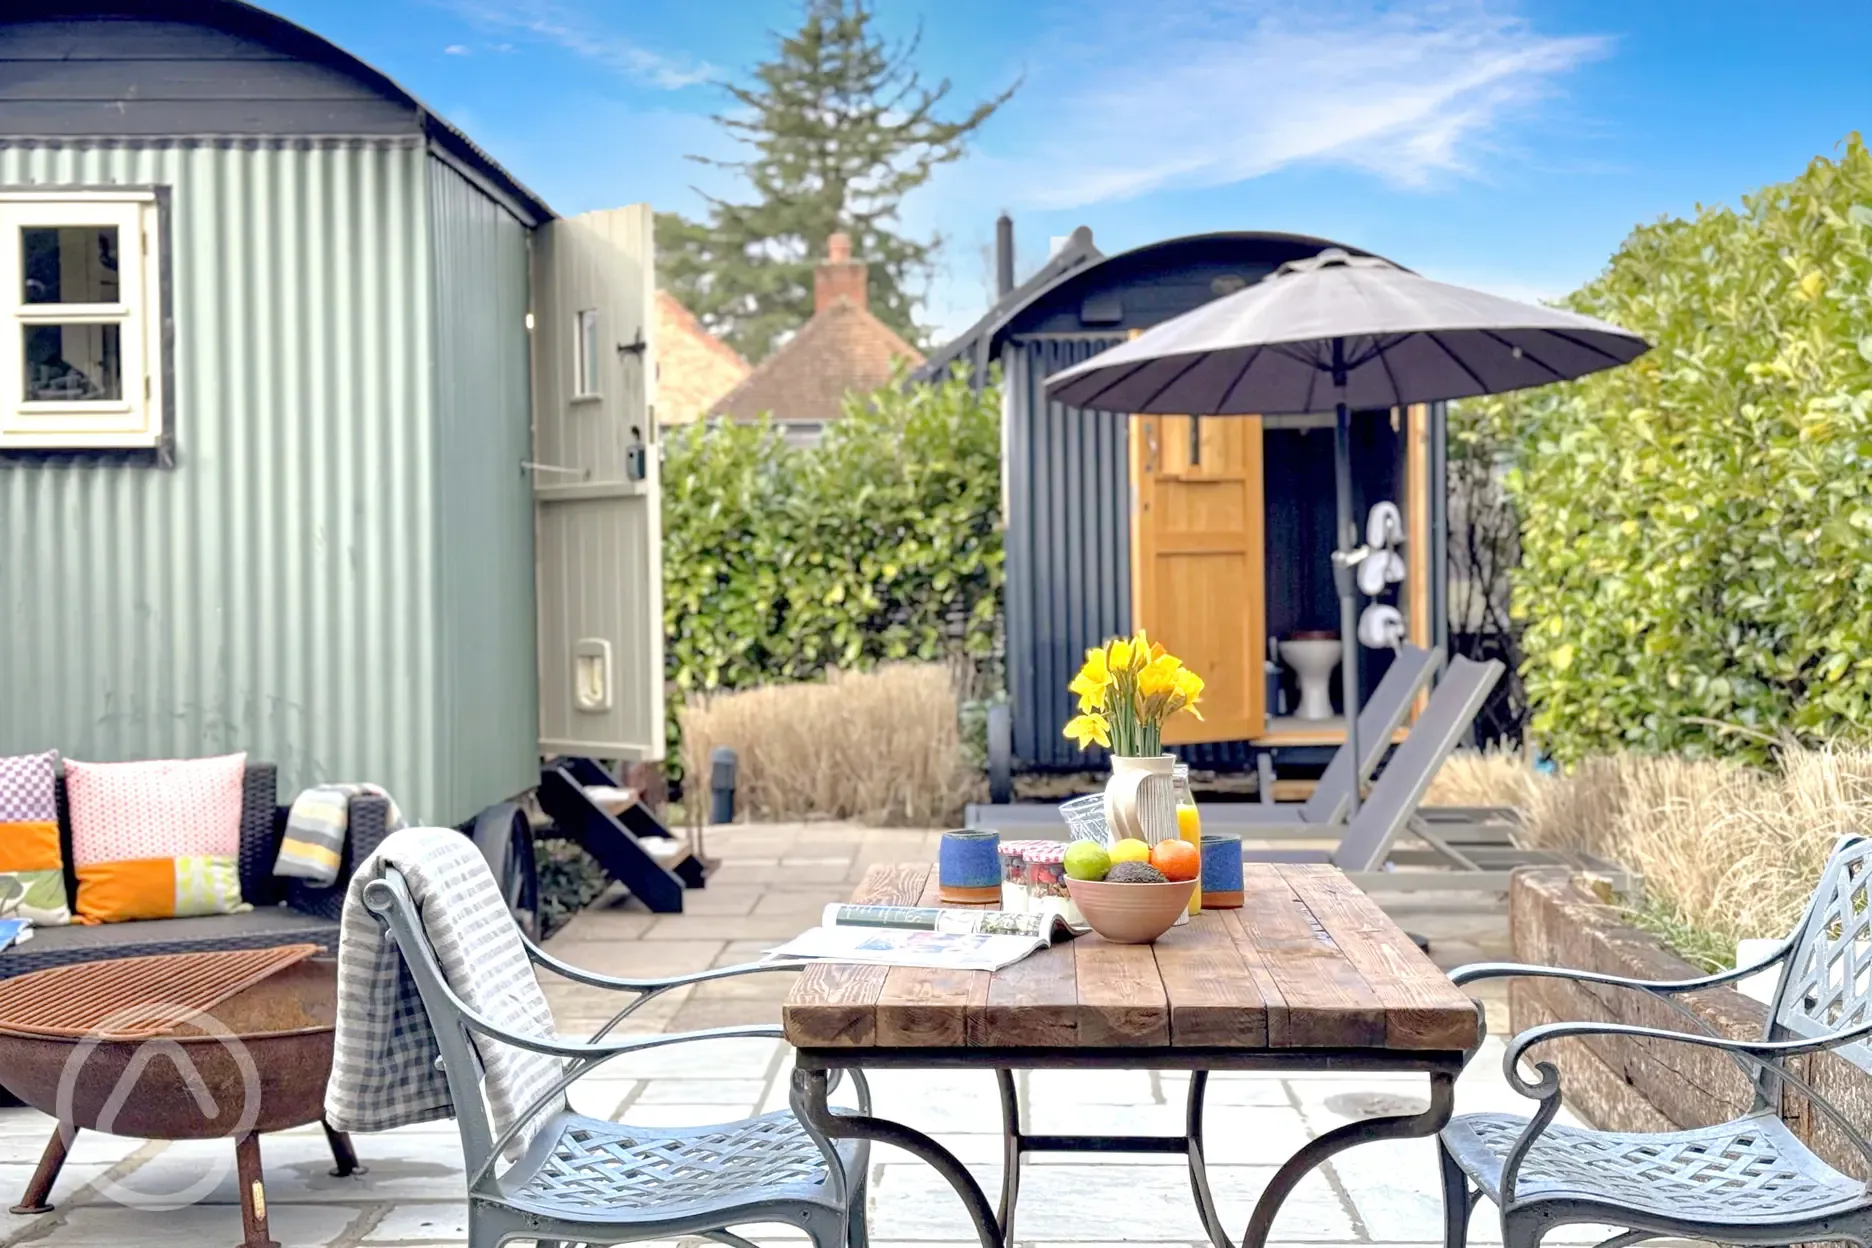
{"type": "Point", "coordinates": [842, 349]}
{"type": "Point", "coordinates": [694, 367]}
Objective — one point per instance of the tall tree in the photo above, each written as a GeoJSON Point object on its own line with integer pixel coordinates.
{"type": "Point", "coordinates": [840, 127]}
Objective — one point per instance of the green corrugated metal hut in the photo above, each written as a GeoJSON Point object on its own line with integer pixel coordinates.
{"type": "Point", "coordinates": [282, 406]}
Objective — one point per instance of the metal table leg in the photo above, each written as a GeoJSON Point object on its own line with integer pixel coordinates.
{"type": "Point", "coordinates": [1399, 1127]}
{"type": "Point", "coordinates": [810, 1101]}
{"type": "Point", "coordinates": [994, 1226]}
{"type": "Point", "coordinates": [1010, 1152]}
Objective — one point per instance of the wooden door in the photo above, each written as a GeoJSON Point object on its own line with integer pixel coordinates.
{"type": "Point", "coordinates": [1196, 563]}
{"type": "Point", "coordinates": [598, 535]}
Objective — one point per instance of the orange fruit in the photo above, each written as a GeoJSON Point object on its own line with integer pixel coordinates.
{"type": "Point", "coordinates": [1178, 860]}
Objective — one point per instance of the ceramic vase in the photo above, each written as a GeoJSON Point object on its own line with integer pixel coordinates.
{"type": "Point", "coordinates": [1140, 798]}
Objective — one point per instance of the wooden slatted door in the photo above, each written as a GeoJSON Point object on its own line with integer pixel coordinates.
{"type": "Point", "coordinates": [598, 528]}
{"type": "Point", "coordinates": [1196, 563]}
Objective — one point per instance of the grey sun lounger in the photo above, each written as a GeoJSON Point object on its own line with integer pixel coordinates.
{"type": "Point", "coordinates": [1408, 676]}
{"type": "Point", "coordinates": [1367, 850]}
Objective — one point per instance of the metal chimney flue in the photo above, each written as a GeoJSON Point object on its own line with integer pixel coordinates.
{"type": "Point", "coordinates": [1004, 255]}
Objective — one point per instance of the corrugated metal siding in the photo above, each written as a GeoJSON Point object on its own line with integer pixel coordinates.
{"type": "Point", "coordinates": [489, 685]}
{"type": "Point", "coordinates": [1068, 474]}
{"type": "Point", "coordinates": [1068, 542]}
{"type": "Point", "coordinates": [275, 591]}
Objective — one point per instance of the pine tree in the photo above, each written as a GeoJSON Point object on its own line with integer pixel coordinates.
{"type": "Point", "coordinates": [841, 128]}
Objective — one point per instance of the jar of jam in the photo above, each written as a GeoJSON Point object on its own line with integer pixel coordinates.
{"type": "Point", "coordinates": [1015, 898]}
{"type": "Point", "coordinates": [1046, 882]}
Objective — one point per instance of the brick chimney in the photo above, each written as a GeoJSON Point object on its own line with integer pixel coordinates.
{"type": "Point", "coordinates": [838, 275]}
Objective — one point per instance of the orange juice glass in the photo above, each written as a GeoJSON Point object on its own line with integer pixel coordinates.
{"type": "Point", "coordinates": [1189, 828]}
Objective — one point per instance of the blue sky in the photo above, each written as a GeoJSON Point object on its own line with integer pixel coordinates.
{"type": "Point", "coordinates": [1507, 146]}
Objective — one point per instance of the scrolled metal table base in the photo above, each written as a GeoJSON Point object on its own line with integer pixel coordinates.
{"type": "Point", "coordinates": [994, 1224]}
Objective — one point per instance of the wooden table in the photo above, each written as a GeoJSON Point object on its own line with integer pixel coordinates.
{"type": "Point", "coordinates": [1308, 975]}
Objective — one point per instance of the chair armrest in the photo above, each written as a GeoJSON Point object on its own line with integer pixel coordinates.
{"type": "Point", "coordinates": [1477, 971]}
{"type": "Point", "coordinates": [1757, 1051]}
{"type": "Point", "coordinates": [647, 990]}
{"type": "Point", "coordinates": [593, 979]}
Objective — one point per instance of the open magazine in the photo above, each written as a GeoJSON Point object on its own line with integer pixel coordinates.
{"type": "Point", "coordinates": [960, 940]}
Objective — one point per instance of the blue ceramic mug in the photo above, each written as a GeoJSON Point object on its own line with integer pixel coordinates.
{"type": "Point", "coordinates": [1221, 872]}
{"type": "Point", "coordinates": [968, 866]}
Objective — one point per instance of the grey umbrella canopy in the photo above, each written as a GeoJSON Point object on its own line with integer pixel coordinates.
{"type": "Point", "coordinates": [1268, 348]}
{"type": "Point", "coordinates": [1343, 332]}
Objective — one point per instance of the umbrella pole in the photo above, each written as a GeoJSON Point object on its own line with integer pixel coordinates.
{"type": "Point", "coordinates": [1344, 578]}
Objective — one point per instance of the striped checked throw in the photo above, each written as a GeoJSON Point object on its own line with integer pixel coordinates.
{"type": "Point", "coordinates": [384, 1071]}
{"type": "Point", "coordinates": [315, 831]}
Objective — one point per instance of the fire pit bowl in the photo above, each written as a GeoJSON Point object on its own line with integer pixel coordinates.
{"type": "Point", "coordinates": [263, 1056]}
{"type": "Point", "coordinates": [225, 1044]}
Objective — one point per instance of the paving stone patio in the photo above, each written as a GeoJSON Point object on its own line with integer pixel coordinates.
{"type": "Point", "coordinates": [774, 881]}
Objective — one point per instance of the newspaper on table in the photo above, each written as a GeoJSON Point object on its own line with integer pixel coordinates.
{"type": "Point", "coordinates": [957, 940]}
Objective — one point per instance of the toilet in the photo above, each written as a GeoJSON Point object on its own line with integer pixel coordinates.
{"type": "Point", "coordinates": [1313, 656]}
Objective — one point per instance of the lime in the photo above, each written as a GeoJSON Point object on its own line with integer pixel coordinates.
{"type": "Point", "coordinates": [1087, 860]}
{"type": "Point", "coordinates": [1130, 850]}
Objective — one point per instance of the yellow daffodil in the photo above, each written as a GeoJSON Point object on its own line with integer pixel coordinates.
{"type": "Point", "coordinates": [1091, 682]}
{"type": "Point", "coordinates": [1126, 689]}
{"type": "Point", "coordinates": [1189, 687]}
{"type": "Point", "coordinates": [1157, 684]}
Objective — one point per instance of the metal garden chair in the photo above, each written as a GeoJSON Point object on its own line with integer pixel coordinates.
{"type": "Point", "coordinates": [1749, 1181]}
{"type": "Point", "coordinates": [589, 1181]}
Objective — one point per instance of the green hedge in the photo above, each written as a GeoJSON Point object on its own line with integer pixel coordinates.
{"type": "Point", "coordinates": [882, 542]}
{"type": "Point", "coordinates": [1696, 572]}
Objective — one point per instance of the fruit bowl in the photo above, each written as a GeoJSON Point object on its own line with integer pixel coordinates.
{"type": "Point", "coordinates": [1131, 914]}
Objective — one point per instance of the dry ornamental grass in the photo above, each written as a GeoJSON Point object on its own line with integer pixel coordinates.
{"type": "Point", "coordinates": [1731, 850]}
{"type": "Point", "coordinates": [881, 747]}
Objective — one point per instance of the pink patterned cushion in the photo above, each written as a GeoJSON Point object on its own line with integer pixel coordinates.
{"type": "Point", "coordinates": [166, 808]}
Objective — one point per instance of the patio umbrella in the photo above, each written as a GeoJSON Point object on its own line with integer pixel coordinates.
{"type": "Point", "coordinates": [1346, 332]}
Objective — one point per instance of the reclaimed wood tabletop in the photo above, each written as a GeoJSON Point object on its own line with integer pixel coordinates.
{"type": "Point", "coordinates": [1309, 961]}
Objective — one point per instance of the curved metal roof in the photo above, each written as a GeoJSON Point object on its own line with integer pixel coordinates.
{"type": "Point", "coordinates": [239, 18]}
{"type": "Point", "coordinates": [1079, 268]}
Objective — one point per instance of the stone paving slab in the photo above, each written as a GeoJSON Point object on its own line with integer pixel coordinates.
{"type": "Point", "coordinates": [776, 880]}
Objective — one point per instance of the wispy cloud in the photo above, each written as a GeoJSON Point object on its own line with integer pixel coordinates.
{"type": "Point", "coordinates": [458, 49]}
{"type": "Point", "coordinates": [1212, 92]}
{"type": "Point", "coordinates": [584, 34]}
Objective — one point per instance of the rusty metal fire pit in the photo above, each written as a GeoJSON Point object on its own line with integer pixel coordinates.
{"type": "Point", "coordinates": [224, 1044]}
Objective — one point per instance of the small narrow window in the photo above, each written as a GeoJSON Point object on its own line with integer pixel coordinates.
{"type": "Point", "coordinates": [585, 354]}
{"type": "Point", "coordinates": [80, 320]}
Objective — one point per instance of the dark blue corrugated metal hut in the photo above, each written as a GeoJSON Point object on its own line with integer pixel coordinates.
{"type": "Point", "coordinates": [1073, 479]}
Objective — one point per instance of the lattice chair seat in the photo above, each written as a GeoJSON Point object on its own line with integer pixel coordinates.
{"type": "Point", "coordinates": [1748, 1171]}
{"type": "Point", "coordinates": [587, 1166]}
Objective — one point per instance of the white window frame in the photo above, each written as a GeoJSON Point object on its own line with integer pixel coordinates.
{"type": "Point", "coordinates": [587, 357]}
{"type": "Point", "coordinates": [134, 421]}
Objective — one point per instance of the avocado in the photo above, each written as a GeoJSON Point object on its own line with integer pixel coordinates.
{"type": "Point", "coordinates": [1135, 873]}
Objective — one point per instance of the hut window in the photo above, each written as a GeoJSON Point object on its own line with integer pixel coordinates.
{"type": "Point", "coordinates": [585, 355]}
{"type": "Point", "coordinates": [80, 345]}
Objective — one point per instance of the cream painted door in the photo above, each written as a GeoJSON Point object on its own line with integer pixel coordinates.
{"type": "Point", "coordinates": [597, 515]}
{"type": "Point", "coordinates": [1196, 563]}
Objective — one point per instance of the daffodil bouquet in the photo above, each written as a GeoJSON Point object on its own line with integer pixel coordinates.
{"type": "Point", "coordinates": [1127, 689]}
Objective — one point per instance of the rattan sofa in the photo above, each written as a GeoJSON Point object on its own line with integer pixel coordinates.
{"type": "Point", "coordinates": [284, 911]}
